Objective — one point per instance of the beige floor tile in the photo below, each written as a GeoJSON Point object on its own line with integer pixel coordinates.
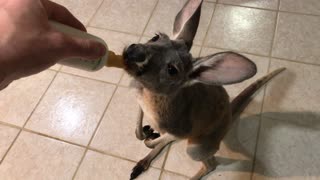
{"type": "Point", "coordinates": [178, 160]}
{"type": "Point", "coordinates": [211, 0]}
{"type": "Point", "coordinates": [82, 9]}
{"type": "Point", "coordinates": [126, 80]}
{"type": "Point", "coordinates": [171, 176]}
{"type": "Point", "coordinates": [306, 6]}
{"type": "Point", "coordinates": [288, 149]}
{"type": "Point", "coordinates": [242, 29]}
{"type": "Point", "coordinates": [125, 15]}
{"type": "Point", "coordinates": [116, 134]}
{"type": "Point", "coordinates": [56, 67]}
{"type": "Point", "coordinates": [257, 176]}
{"type": "Point", "coordinates": [261, 177]}
{"type": "Point", "coordinates": [97, 166]}
{"type": "Point", "coordinates": [233, 90]}
{"type": "Point", "coordinates": [297, 38]}
{"type": "Point", "coordinates": [235, 155]}
{"type": "Point", "coordinates": [266, 4]}
{"type": "Point", "coordinates": [35, 157]}
{"type": "Point", "coordinates": [19, 99]}
{"type": "Point", "coordinates": [195, 51]}
{"type": "Point", "coordinates": [234, 165]}
{"type": "Point", "coordinates": [116, 42]}
{"type": "Point", "coordinates": [212, 176]}
{"type": "Point", "coordinates": [295, 92]}
{"type": "Point", "coordinates": [165, 13]}
{"type": "Point", "coordinates": [7, 135]}
{"type": "Point", "coordinates": [71, 108]}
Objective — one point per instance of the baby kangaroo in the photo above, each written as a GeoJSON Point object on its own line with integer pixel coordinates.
{"type": "Point", "coordinates": [183, 96]}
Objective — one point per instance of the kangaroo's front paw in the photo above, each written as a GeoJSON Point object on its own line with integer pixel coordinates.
{"type": "Point", "coordinates": [145, 133]}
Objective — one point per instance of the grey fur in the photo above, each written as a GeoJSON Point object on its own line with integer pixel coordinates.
{"type": "Point", "coordinates": [183, 96]}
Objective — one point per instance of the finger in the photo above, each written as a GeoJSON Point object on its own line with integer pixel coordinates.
{"type": "Point", "coordinates": [67, 46]}
{"type": "Point", "coordinates": [61, 14]}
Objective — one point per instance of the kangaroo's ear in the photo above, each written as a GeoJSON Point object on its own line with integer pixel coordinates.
{"type": "Point", "coordinates": [187, 21]}
{"type": "Point", "coordinates": [222, 68]}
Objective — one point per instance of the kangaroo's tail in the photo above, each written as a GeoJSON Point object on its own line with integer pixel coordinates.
{"type": "Point", "coordinates": [242, 100]}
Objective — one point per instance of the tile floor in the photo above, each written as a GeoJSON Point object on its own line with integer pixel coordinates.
{"type": "Point", "coordinates": [68, 124]}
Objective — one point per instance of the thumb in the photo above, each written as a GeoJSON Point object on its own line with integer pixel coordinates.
{"type": "Point", "coordinates": [69, 46]}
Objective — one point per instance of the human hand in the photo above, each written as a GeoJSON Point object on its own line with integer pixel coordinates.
{"type": "Point", "coordinates": [29, 45]}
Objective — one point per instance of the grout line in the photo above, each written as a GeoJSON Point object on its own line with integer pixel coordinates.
{"type": "Point", "coordinates": [69, 142]}
{"type": "Point", "coordinates": [94, 14]}
{"type": "Point", "coordinates": [250, 53]}
{"type": "Point", "coordinates": [140, 38]}
{"type": "Point", "coordinates": [40, 134]}
{"type": "Point", "coordinates": [52, 137]}
{"type": "Point", "coordinates": [202, 45]}
{"type": "Point", "coordinates": [176, 173]}
{"type": "Point", "coordinates": [97, 80]}
{"type": "Point", "coordinates": [150, 17]}
{"type": "Point", "coordinates": [89, 78]}
{"type": "Point", "coordinates": [244, 6]}
{"type": "Point", "coordinates": [264, 94]}
{"type": "Point", "coordinates": [112, 30]}
{"type": "Point", "coordinates": [207, 31]}
{"type": "Point", "coordinates": [266, 9]}
{"type": "Point", "coordinates": [295, 61]}
{"type": "Point", "coordinates": [259, 127]}
{"type": "Point", "coordinates": [274, 33]}
{"type": "Point", "coordinates": [116, 156]}
{"type": "Point", "coordinates": [256, 148]}
{"type": "Point", "coordinates": [298, 13]}
{"type": "Point", "coordinates": [165, 161]}
{"type": "Point", "coordinates": [95, 131]}
{"type": "Point", "coordinates": [10, 125]}
{"type": "Point", "coordinates": [25, 123]}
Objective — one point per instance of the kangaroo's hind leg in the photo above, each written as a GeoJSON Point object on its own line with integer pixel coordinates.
{"type": "Point", "coordinates": [144, 164]}
{"type": "Point", "coordinates": [203, 149]}
{"type": "Point", "coordinates": [205, 154]}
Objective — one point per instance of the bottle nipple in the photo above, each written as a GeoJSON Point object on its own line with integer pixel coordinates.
{"type": "Point", "coordinates": [114, 60]}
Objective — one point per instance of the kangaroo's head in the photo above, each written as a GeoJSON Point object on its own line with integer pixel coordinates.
{"type": "Point", "coordinates": [165, 65]}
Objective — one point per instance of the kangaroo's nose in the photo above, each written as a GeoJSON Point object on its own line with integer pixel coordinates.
{"type": "Point", "coordinates": [136, 53]}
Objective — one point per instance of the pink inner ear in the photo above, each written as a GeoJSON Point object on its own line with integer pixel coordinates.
{"type": "Point", "coordinates": [184, 21]}
{"type": "Point", "coordinates": [229, 68]}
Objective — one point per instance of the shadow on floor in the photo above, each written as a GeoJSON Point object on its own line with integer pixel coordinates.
{"type": "Point", "coordinates": [287, 146]}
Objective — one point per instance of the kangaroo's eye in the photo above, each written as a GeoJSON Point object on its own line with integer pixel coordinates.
{"type": "Point", "coordinates": [172, 70]}
{"type": "Point", "coordinates": [155, 38]}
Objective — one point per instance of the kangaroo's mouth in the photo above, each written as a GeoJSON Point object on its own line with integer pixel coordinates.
{"type": "Point", "coordinates": [133, 67]}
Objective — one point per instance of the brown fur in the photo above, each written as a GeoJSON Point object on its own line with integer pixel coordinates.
{"type": "Point", "coordinates": [183, 97]}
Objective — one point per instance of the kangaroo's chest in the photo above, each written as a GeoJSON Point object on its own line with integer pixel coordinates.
{"type": "Point", "coordinates": [192, 112]}
{"type": "Point", "coordinates": [164, 115]}
{"type": "Point", "coordinates": [151, 108]}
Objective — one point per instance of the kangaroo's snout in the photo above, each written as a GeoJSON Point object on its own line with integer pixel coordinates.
{"type": "Point", "coordinates": [135, 53]}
